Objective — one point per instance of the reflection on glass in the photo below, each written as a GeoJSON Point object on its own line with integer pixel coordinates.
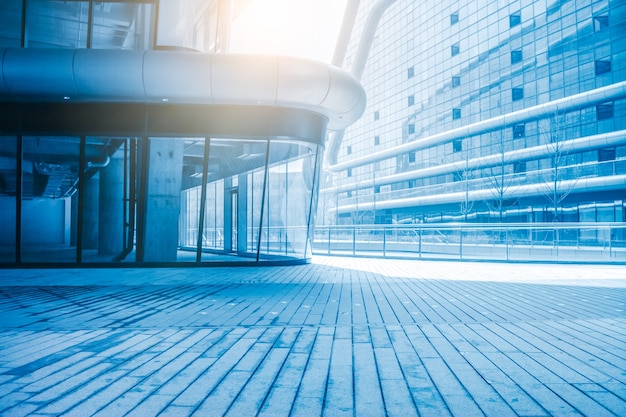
{"type": "Point", "coordinates": [49, 199]}
{"type": "Point", "coordinates": [122, 25]}
{"type": "Point", "coordinates": [8, 190]}
{"type": "Point", "coordinates": [10, 24]}
{"type": "Point", "coordinates": [289, 192]}
{"type": "Point", "coordinates": [57, 24]}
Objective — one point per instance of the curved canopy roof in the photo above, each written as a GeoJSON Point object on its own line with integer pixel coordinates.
{"type": "Point", "coordinates": [185, 78]}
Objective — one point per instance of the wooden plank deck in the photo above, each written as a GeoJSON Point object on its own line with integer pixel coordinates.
{"type": "Point", "coordinates": [337, 337]}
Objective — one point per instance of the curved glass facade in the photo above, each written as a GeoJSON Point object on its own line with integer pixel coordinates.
{"type": "Point", "coordinates": [157, 200]}
{"type": "Point", "coordinates": [149, 179]}
{"type": "Point", "coordinates": [484, 112]}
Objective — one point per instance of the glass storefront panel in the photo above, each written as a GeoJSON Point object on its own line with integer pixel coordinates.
{"type": "Point", "coordinates": [106, 210]}
{"type": "Point", "coordinates": [49, 205]}
{"type": "Point", "coordinates": [8, 192]}
{"type": "Point", "coordinates": [233, 195]}
{"type": "Point", "coordinates": [288, 193]}
{"type": "Point", "coordinates": [140, 199]}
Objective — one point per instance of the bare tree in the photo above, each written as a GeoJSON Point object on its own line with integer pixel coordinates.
{"type": "Point", "coordinates": [555, 189]}
{"type": "Point", "coordinates": [466, 174]}
{"type": "Point", "coordinates": [498, 178]}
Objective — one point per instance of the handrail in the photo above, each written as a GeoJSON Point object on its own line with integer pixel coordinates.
{"type": "Point", "coordinates": [512, 242]}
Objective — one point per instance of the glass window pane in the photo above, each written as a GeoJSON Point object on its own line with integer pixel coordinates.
{"type": "Point", "coordinates": [10, 23]}
{"type": "Point", "coordinates": [57, 24]}
{"type": "Point", "coordinates": [50, 201]}
{"type": "Point", "coordinates": [123, 25]}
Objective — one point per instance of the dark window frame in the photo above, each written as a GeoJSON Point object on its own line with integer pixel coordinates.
{"type": "Point", "coordinates": [456, 114]}
{"type": "Point", "coordinates": [519, 130]}
{"type": "Point", "coordinates": [600, 22]}
{"type": "Point", "coordinates": [455, 49]}
{"type": "Point", "coordinates": [515, 19]}
{"type": "Point", "coordinates": [454, 18]}
{"type": "Point", "coordinates": [605, 111]}
{"type": "Point", "coordinates": [517, 56]}
{"type": "Point", "coordinates": [517, 93]}
{"type": "Point", "coordinates": [602, 66]}
{"type": "Point", "coordinates": [457, 145]}
{"type": "Point", "coordinates": [606, 154]}
{"type": "Point", "coordinates": [456, 81]}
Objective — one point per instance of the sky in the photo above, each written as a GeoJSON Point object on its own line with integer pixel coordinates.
{"type": "Point", "coordinates": [305, 28]}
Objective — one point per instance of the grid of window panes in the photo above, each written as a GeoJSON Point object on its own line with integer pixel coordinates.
{"type": "Point", "coordinates": [437, 66]}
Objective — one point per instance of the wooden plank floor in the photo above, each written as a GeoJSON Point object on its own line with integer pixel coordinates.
{"type": "Point", "coordinates": [337, 337]}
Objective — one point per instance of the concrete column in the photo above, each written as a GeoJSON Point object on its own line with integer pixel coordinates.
{"type": "Point", "coordinates": [165, 173]}
{"type": "Point", "coordinates": [111, 222]}
{"type": "Point", "coordinates": [242, 214]}
{"type": "Point", "coordinates": [90, 212]}
{"type": "Point", "coordinates": [228, 216]}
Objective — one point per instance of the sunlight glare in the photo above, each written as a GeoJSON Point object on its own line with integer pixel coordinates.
{"type": "Point", "coordinates": [306, 28]}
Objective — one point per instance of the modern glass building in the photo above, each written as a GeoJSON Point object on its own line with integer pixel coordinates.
{"type": "Point", "coordinates": [482, 111]}
{"type": "Point", "coordinates": [128, 135]}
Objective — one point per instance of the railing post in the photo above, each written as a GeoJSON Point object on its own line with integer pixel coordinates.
{"type": "Point", "coordinates": [506, 237]}
{"type": "Point", "coordinates": [460, 242]}
{"type": "Point", "coordinates": [384, 242]}
{"type": "Point", "coordinates": [610, 242]}
{"type": "Point", "coordinates": [353, 240]}
{"type": "Point", "coordinates": [329, 240]}
{"type": "Point", "coordinates": [419, 234]}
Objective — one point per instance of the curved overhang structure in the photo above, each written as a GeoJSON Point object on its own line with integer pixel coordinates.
{"type": "Point", "coordinates": [596, 184]}
{"type": "Point", "coordinates": [577, 101]}
{"type": "Point", "coordinates": [173, 94]}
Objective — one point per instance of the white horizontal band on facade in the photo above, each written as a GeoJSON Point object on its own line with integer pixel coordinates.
{"type": "Point", "coordinates": [94, 75]}
{"type": "Point", "coordinates": [525, 154]}
{"type": "Point", "coordinates": [573, 102]}
{"type": "Point", "coordinates": [607, 183]}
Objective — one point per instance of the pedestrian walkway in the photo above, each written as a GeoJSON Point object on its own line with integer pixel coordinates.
{"type": "Point", "coordinates": [336, 337]}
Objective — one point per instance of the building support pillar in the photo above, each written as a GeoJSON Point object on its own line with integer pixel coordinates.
{"type": "Point", "coordinates": [90, 212]}
{"type": "Point", "coordinates": [162, 210]}
{"type": "Point", "coordinates": [111, 207]}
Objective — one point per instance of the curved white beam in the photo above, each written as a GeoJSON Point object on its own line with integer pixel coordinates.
{"type": "Point", "coordinates": [576, 101]}
{"type": "Point", "coordinates": [602, 140]}
{"type": "Point", "coordinates": [92, 75]}
{"type": "Point", "coordinates": [614, 182]}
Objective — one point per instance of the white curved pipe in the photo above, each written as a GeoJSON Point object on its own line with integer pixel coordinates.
{"type": "Point", "coordinates": [576, 101]}
{"type": "Point", "coordinates": [615, 182]}
{"type": "Point", "coordinates": [360, 59]}
{"type": "Point", "coordinates": [184, 77]}
{"type": "Point", "coordinates": [525, 154]}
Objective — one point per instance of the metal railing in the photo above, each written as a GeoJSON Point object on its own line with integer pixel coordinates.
{"type": "Point", "coordinates": [528, 242]}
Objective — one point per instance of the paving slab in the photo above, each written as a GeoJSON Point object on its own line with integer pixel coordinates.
{"type": "Point", "coordinates": [339, 336]}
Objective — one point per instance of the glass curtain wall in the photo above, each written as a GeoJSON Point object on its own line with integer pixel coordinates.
{"type": "Point", "coordinates": [257, 205]}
